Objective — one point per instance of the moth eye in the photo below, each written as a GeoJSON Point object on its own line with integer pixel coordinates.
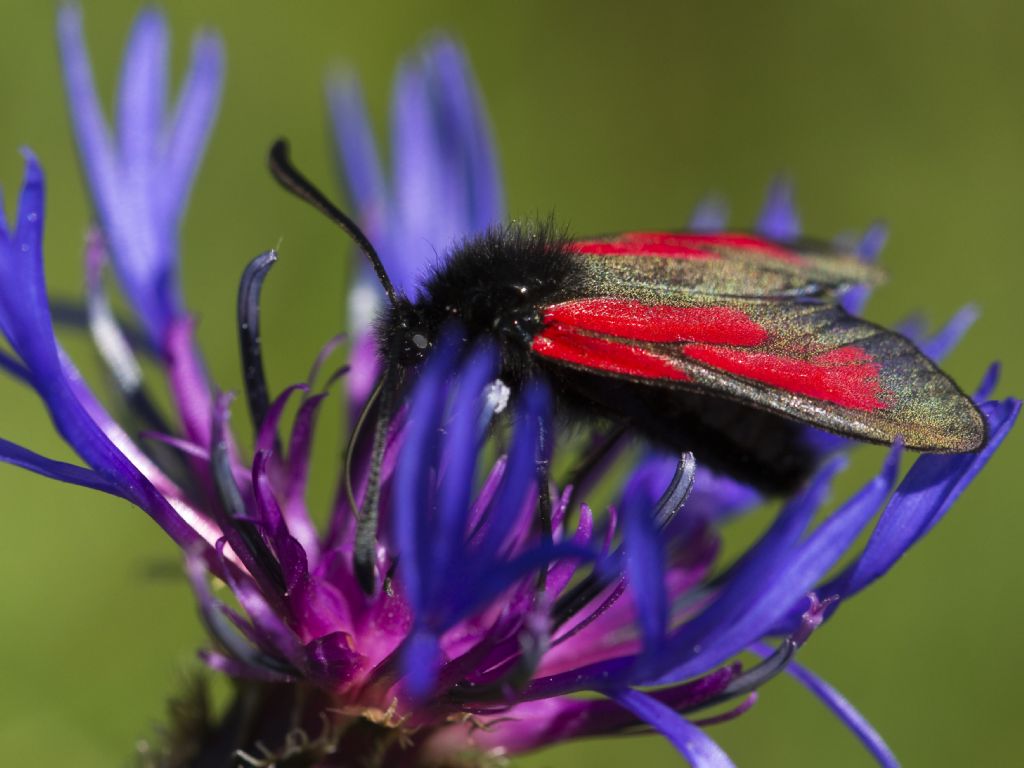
{"type": "Point", "coordinates": [420, 341]}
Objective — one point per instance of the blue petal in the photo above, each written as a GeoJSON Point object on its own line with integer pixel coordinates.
{"type": "Point", "coordinates": [926, 493]}
{"type": "Point", "coordinates": [691, 741]}
{"type": "Point", "coordinates": [358, 153]}
{"type": "Point", "coordinates": [533, 416]}
{"type": "Point", "coordinates": [645, 571]}
{"type": "Point", "coordinates": [491, 578]}
{"type": "Point", "coordinates": [8, 363]}
{"type": "Point", "coordinates": [764, 584]}
{"type": "Point", "coordinates": [12, 453]}
{"type": "Point", "coordinates": [139, 185]}
{"type": "Point", "coordinates": [194, 116]}
{"type": "Point", "coordinates": [413, 529]}
{"type": "Point", "coordinates": [141, 100]}
{"type": "Point", "coordinates": [96, 147]}
{"type": "Point", "coordinates": [421, 178]}
{"type": "Point", "coordinates": [710, 215]}
{"type": "Point", "coordinates": [484, 198]}
{"type": "Point", "coordinates": [461, 452]}
{"type": "Point", "coordinates": [421, 658]}
{"type": "Point", "coordinates": [779, 219]}
{"type": "Point", "coordinates": [872, 242]}
{"type": "Point", "coordinates": [750, 573]}
{"type": "Point", "coordinates": [870, 245]}
{"type": "Point", "coordinates": [945, 340]}
{"type": "Point", "coordinates": [988, 383]}
{"type": "Point", "coordinates": [843, 709]}
{"type": "Point", "coordinates": [26, 313]}
{"type": "Point", "coordinates": [801, 571]}
{"type": "Point", "coordinates": [29, 327]}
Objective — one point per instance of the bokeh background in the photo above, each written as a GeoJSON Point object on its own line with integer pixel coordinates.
{"type": "Point", "coordinates": [613, 118]}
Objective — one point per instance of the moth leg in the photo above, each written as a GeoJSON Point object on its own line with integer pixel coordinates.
{"type": "Point", "coordinates": [591, 465]}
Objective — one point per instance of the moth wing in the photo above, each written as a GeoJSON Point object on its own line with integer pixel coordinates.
{"type": "Point", "coordinates": [654, 264]}
{"type": "Point", "coordinates": [809, 361]}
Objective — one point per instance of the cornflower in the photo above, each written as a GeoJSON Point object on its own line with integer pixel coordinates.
{"type": "Point", "coordinates": [485, 627]}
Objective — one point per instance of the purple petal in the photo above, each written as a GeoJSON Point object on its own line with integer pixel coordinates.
{"type": "Point", "coordinates": [268, 429]}
{"type": "Point", "coordinates": [332, 661]}
{"type": "Point", "coordinates": [295, 512]}
{"type": "Point", "coordinates": [779, 219]}
{"type": "Point", "coordinates": [561, 574]}
{"type": "Point", "coordinates": [188, 383]}
{"type": "Point", "coordinates": [691, 741]}
{"type": "Point", "coordinates": [275, 633]}
{"type": "Point", "coordinates": [240, 670]}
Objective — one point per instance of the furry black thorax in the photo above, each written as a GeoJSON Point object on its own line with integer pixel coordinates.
{"type": "Point", "coordinates": [495, 285]}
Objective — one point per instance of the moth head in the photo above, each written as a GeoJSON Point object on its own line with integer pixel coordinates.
{"type": "Point", "coordinates": [408, 335]}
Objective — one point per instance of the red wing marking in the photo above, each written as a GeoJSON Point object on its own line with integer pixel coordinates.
{"type": "Point", "coordinates": [738, 241]}
{"type": "Point", "coordinates": [632, 247]}
{"type": "Point", "coordinates": [562, 343]}
{"type": "Point", "coordinates": [635, 320]}
{"type": "Point", "coordinates": [846, 376]}
{"type": "Point", "coordinates": [683, 246]}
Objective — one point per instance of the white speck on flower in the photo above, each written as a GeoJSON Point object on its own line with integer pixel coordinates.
{"type": "Point", "coordinates": [496, 396]}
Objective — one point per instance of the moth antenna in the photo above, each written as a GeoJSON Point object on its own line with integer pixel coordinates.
{"type": "Point", "coordinates": [289, 177]}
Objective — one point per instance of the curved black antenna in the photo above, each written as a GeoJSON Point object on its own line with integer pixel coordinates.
{"type": "Point", "coordinates": [288, 176]}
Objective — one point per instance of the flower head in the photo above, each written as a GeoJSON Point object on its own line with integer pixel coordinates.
{"type": "Point", "coordinates": [505, 592]}
{"type": "Point", "coordinates": [140, 174]}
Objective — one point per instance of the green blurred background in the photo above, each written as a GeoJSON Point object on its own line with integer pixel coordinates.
{"type": "Point", "coordinates": [614, 119]}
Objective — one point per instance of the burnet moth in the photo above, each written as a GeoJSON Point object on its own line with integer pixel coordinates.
{"type": "Point", "coordinates": [727, 345]}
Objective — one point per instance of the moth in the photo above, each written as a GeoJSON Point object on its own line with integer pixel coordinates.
{"type": "Point", "coordinates": [728, 345]}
